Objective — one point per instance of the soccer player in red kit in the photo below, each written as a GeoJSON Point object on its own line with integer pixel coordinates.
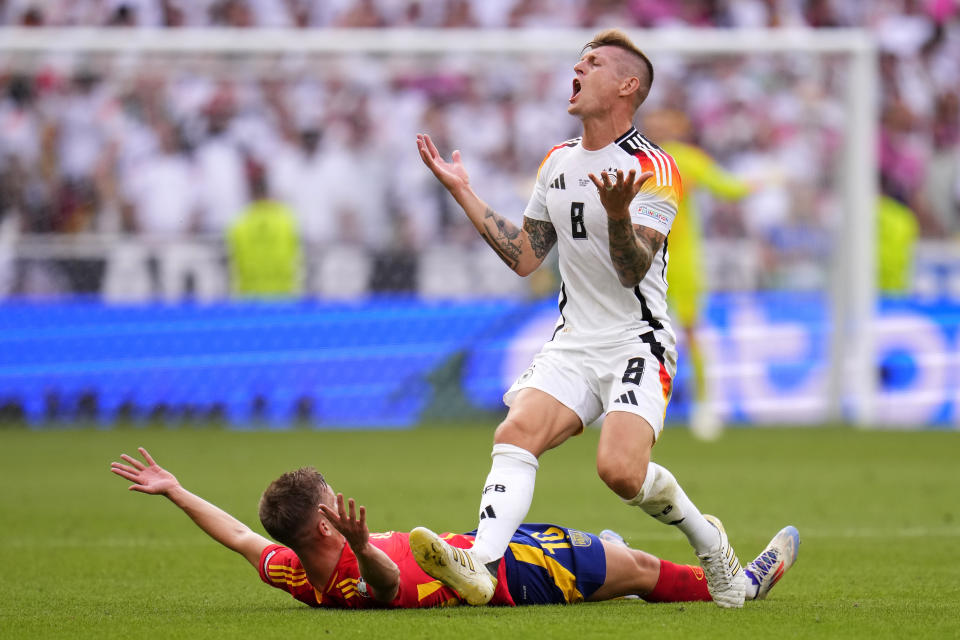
{"type": "Point", "coordinates": [606, 200]}
{"type": "Point", "coordinates": [330, 559]}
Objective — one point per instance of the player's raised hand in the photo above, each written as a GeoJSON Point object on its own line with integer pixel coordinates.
{"type": "Point", "coordinates": [451, 174]}
{"type": "Point", "coordinates": [147, 478]}
{"type": "Point", "coordinates": [617, 192]}
{"type": "Point", "coordinates": [345, 520]}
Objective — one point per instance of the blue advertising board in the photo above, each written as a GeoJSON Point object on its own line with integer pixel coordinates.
{"type": "Point", "coordinates": [376, 363]}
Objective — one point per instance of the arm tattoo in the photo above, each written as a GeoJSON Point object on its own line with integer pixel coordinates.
{"type": "Point", "coordinates": [503, 237]}
{"type": "Point", "coordinates": [632, 249]}
{"type": "Point", "coordinates": [542, 236]}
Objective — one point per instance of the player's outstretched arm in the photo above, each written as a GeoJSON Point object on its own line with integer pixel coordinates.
{"type": "Point", "coordinates": [520, 249]}
{"type": "Point", "coordinates": [380, 572]}
{"type": "Point", "coordinates": [153, 479]}
{"type": "Point", "coordinates": [632, 247]}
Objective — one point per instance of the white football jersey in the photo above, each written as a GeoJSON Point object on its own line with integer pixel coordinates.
{"type": "Point", "coordinates": [592, 301]}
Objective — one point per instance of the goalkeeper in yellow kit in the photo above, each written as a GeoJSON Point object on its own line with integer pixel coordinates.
{"type": "Point", "coordinates": [672, 130]}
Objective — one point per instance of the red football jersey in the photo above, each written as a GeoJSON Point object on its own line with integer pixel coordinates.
{"type": "Point", "coordinates": [281, 568]}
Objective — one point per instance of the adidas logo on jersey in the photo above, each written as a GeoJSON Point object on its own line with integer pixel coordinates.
{"type": "Point", "coordinates": [627, 398]}
{"type": "Point", "coordinates": [558, 183]}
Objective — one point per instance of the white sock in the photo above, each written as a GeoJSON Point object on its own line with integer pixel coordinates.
{"type": "Point", "coordinates": [662, 498]}
{"type": "Point", "coordinates": [507, 495]}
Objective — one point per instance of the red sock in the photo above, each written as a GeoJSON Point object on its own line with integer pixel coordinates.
{"type": "Point", "coordinates": [679, 583]}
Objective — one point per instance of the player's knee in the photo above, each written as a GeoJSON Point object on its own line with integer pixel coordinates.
{"type": "Point", "coordinates": [511, 431]}
{"type": "Point", "coordinates": [623, 476]}
{"type": "Point", "coordinates": [522, 433]}
{"type": "Point", "coordinates": [645, 565]}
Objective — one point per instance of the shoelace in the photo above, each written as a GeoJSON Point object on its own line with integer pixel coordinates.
{"type": "Point", "coordinates": [718, 567]}
{"type": "Point", "coordinates": [764, 563]}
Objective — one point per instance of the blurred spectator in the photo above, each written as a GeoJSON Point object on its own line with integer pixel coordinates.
{"type": "Point", "coordinates": [541, 14]}
{"type": "Point", "coordinates": [298, 176]}
{"type": "Point", "coordinates": [24, 179]}
{"type": "Point", "coordinates": [460, 15]}
{"type": "Point", "coordinates": [174, 14]}
{"type": "Point", "coordinates": [122, 15]}
{"type": "Point", "coordinates": [161, 191]}
{"type": "Point", "coordinates": [363, 14]}
{"type": "Point", "coordinates": [27, 13]}
{"type": "Point", "coordinates": [234, 13]}
{"type": "Point", "coordinates": [85, 129]}
{"type": "Point", "coordinates": [941, 184]}
{"type": "Point", "coordinates": [342, 158]}
{"type": "Point", "coordinates": [264, 246]}
{"type": "Point", "coordinates": [220, 168]}
{"type": "Point", "coordinates": [358, 182]}
{"type": "Point", "coordinates": [897, 233]}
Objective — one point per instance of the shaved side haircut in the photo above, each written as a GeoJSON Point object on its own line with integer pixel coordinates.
{"type": "Point", "coordinates": [642, 67]}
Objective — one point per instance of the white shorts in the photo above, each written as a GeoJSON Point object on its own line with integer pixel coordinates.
{"type": "Point", "coordinates": [592, 378]}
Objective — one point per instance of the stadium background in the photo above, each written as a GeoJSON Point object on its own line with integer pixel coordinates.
{"type": "Point", "coordinates": [121, 174]}
{"type": "Point", "coordinates": [120, 326]}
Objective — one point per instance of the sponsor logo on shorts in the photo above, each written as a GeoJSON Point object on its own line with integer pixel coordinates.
{"type": "Point", "coordinates": [579, 538]}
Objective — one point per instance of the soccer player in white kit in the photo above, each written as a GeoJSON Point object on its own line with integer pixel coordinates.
{"type": "Point", "coordinates": [607, 200]}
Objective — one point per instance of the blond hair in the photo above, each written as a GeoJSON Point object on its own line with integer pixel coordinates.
{"type": "Point", "coordinates": [620, 40]}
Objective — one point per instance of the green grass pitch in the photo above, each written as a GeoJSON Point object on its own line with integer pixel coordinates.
{"type": "Point", "coordinates": [878, 513]}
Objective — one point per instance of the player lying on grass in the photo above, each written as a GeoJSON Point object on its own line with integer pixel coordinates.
{"type": "Point", "coordinates": [330, 559]}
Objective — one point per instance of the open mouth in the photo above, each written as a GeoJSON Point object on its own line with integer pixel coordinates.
{"type": "Point", "coordinates": [576, 90]}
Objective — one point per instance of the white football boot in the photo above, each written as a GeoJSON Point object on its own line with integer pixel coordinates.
{"type": "Point", "coordinates": [705, 424]}
{"type": "Point", "coordinates": [725, 578]}
{"type": "Point", "coordinates": [768, 567]}
{"type": "Point", "coordinates": [611, 536]}
{"type": "Point", "coordinates": [452, 566]}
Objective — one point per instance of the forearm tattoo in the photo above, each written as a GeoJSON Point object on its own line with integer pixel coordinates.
{"type": "Point", "coordinates": [503, 237]}
{"type": "Point", "coordinates": [632, 250]}
{"type": "Point", "coordinates": [542, 236]}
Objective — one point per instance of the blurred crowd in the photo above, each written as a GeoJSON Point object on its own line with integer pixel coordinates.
{"type": "Point", "coordinates": [168, 147]}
